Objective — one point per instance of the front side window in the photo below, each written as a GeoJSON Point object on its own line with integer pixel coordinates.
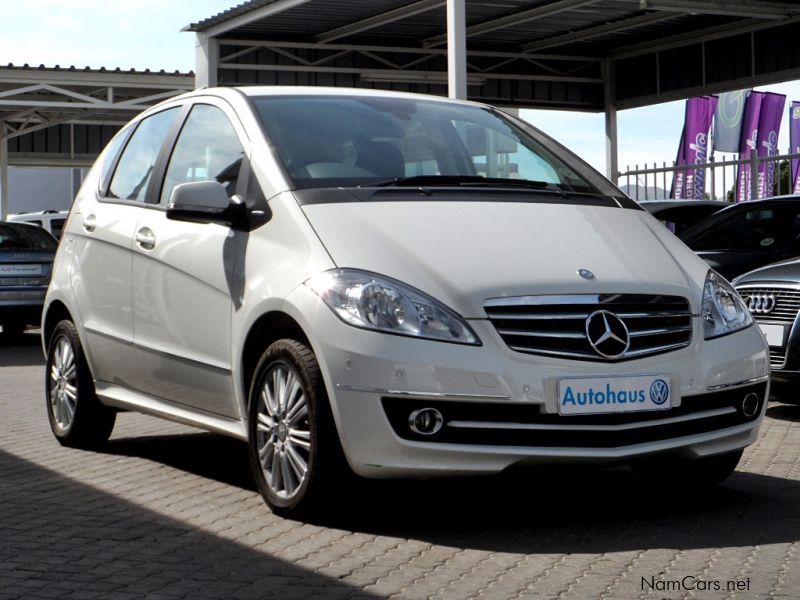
{"type": "Point", "coordinates": [325, 141]}
{"type": "Point", "coordinates": [138, 160]}
{"type": "Point", "coordinates": [207, 149]}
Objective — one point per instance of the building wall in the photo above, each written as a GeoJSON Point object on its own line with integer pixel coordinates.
{"type": "Point", "coordinates": [42, 188]}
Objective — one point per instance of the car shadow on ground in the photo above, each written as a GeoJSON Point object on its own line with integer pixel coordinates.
{"type": "Point", "coordinates": [554, 509]}
{"type": "Point", "coordinates": [21, 350]}
{"type": "Point", "coordinates": [63, 538]}
{"type": "Point", "coordinates": [784, 412]}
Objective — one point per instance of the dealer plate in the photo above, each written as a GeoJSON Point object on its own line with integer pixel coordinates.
{"type": "Point", "coordinates": [20, 270]}
{"type": "Point", "coordinates": [596, 395]}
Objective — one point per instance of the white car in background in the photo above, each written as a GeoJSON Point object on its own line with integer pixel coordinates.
{"type": "Point", "coordinates": [52, 221]}
{"type": "Point", "coordinates": [393, 284]}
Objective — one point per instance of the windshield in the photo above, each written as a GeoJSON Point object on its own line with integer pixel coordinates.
{"type": "Point", "coordinates": [25, 237]}
{"type": "Point", "coordinates": [348, 141]}
{"type": "Point", "coordinates": [746, 229]}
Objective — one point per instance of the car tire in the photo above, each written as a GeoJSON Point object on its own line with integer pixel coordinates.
{"type": "Point", "coordinates": [667, 472]}
{"type": "Point", "coordinates": [295, 454]}
{"type": "Point", "coordinates": [77, 418]}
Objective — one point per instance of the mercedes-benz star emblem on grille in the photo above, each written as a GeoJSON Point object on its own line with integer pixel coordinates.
{"type": "Point", "coordinates": [761, 304]}
{"type": "Point", "coordinates": [607, 334]}
{"type": "Point", "coordinates": [586, 273]}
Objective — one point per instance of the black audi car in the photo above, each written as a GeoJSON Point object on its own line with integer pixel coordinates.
{"type": "Point", "coordinates": [748, 235]}
{"type": "Point", "coordinates": [772, 294]}
{"type": "Point", "coordinates": [680, 215]}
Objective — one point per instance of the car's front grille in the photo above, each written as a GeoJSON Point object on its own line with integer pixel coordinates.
{"type": "Point", "coordinates": [557, 325]}
{"type": "Point", "coordinates": [777, 357]}
{"type": "Point", "coordinates": [786, 303]}
{"type": "Point", "coordinates": [520, 424]}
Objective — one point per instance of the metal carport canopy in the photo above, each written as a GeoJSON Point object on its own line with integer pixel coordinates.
{"type": "Point", "coordinates": [590, 55]}
{"type": "Point", "coordinates": [51, 116]}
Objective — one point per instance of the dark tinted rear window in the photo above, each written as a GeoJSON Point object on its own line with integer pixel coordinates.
{"type": "Point", "coordinates": [25, 237]}
{"type": "Point", "coordinates": [747, 228]}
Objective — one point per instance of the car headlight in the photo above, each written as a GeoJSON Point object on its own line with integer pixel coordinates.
{"type": "Point", "coordinates": [374, 302]}
{"type": "Point", "coordinates": [723, 309]}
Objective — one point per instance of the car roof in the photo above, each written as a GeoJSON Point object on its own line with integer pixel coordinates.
{"type": "Point", "coordinates": [652, 205]}
{"type": "Point", "coordinates": [286, 90]}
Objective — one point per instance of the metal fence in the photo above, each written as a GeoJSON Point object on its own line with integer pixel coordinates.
{"type": "Point", "coordinates": [720, 178]}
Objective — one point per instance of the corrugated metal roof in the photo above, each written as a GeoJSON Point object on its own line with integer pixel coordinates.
{"type": "Point", "coordinates": [225, 15]}
{"type": "Point", "coordinates": [87, 69]}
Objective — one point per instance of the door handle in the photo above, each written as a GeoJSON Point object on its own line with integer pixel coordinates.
{"type": "Point", "coordinates": [145, 238]}
{"type": "Point", "coordinates": [89, 223]}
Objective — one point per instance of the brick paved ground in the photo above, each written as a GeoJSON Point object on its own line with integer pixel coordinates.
{"type": "Point", "coordinates": [167, 512]}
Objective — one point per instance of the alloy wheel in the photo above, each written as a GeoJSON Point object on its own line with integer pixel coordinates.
{"type": "Point", "coordinates": [283, 433]}
{"type": "Point", "coordinates": [63, 384]}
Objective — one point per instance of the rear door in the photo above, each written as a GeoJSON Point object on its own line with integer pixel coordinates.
{"type": "Point", "coordinates": [102, 238]}
{"type": "Point", "coordinates": [184, 273]}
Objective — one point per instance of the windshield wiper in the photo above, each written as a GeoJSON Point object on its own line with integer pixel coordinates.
{"type": "Point", "coordinates": [463, 180]}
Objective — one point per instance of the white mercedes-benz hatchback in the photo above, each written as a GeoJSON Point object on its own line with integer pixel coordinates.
{"type": "Point", "coordinates": [393, 285]}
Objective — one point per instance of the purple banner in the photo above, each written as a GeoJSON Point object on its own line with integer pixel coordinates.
{"type": "Point", "coordinates": [693, 149]}
{"type": "Point", "coordinates": [794, 143]}
{"type": "Point", "coordinates": [752, 112]}
{"type": "Point", "coordinates": [678, 189]}
{"type": "Point", "coordinates": [769, 126]}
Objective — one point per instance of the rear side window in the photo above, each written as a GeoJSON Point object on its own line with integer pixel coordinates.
{"type": "Point", "coordinates": [207, 149]}
{"type": "Point", "coordinates": [138, 160]}
{"type": "Point", "coordinates": [22, 237]}
{"type": "Point", "coordinates": [56, 227]}
{"type": "Point", "coordinates": [110, 155]}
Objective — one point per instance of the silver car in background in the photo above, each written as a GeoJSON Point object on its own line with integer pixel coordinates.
{"type": "Point", "coordinates": [26, 259]}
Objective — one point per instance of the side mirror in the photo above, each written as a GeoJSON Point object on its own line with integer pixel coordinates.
{"type": "Point", "coordinates": [206, 202]}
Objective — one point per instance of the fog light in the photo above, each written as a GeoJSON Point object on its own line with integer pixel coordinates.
{"type": "Point", "coordinates": [425, 421]}
{"type": "Point", "coordinates": [750, 405]}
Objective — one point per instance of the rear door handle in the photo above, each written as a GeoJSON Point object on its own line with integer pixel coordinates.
{"type": "Point", "coordinates": [145, 238]}
{"type": "Point", "coordinates": [89, 223]}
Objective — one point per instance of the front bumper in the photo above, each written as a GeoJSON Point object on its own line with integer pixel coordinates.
{"type": "Point", "coordinates": [21, 304]}
{"type": "Point", "coordinates": [375, 380]}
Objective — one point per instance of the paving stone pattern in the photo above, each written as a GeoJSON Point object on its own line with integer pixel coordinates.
{"type": "Point", "coordinates": [166, 512]}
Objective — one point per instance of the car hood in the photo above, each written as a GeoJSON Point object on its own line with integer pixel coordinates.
{"type": "Point", "coordinates": [787, 270]}
{"type": "Point", "coordinates": [465, 252]}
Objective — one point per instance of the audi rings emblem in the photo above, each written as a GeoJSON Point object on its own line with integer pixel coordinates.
{"type": "Point", "coordinates": [761, 304]}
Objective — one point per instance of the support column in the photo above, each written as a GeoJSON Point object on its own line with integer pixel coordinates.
{"type": "Point", "coordinates": [206, 61]}
{"type": "Point", "coordinates": [3, 172]}
{"type": "Point", "coordinates": [612, 154]}
{"type": "Point", "coordinates": [456, 50]}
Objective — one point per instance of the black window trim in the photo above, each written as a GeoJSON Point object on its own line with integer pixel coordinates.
{"type": "Point", "coordinates": [153, 197]}
{"type": "Point", "coordinates": [168, 142]}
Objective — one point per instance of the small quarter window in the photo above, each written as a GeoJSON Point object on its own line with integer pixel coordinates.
{"type": "Point", "coordinates": [139, 157]}
{"type": "Point", "coordinates": [207, 149]}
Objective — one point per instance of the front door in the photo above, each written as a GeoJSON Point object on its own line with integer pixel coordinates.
{"type": "Point", "coordinates": [184, 274]}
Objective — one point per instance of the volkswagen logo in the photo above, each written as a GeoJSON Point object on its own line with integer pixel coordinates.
{"type": "Point", "coordinates": [659, 392]}
{"type": "Point", "coordinates": [607, 334]}
{"type": "Point", "coordinates": [761, 304]}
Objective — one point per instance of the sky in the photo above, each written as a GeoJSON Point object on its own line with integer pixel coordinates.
{"type": "Point", "coordinates": [146, 34]}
